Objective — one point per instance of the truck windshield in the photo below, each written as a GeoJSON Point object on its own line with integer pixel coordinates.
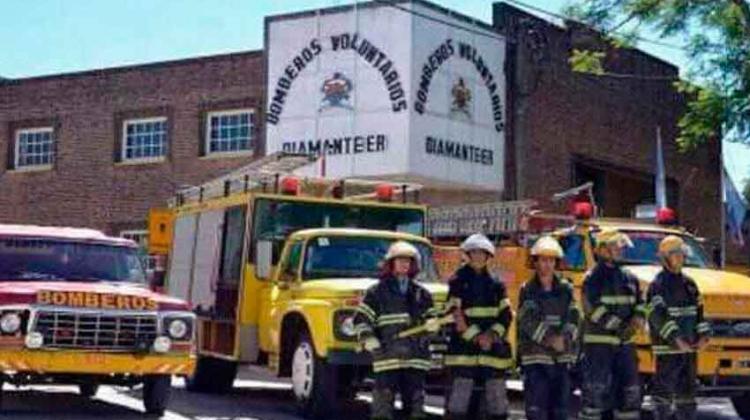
{"type": "Point", "coordinates": [350, 257]}
{"type": "Point", "coordinates": [276, 219]}
{"type": "Point", "coordinates": [23, 259]}
{"type": "Point", "coordinates": [646, 247]}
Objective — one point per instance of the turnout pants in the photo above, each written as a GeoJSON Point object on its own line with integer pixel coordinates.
{"type": "Point", "coordinates": [463, 382]}
{"type": "Point", "coordinates": [674, 383]}
{"type": "Point", "coordinates": [610, 382]}
{"type": "Point", "coordinates": [546, 391]}
{"type": "Point", "coordinates": [409, 383]}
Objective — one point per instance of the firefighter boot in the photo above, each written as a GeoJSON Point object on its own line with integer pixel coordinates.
{"type": "Point", "coordinates": [685, 408]}
{"type": "Point", "coordinates": [662, 408]}
{"type": "Point", "coordinates": [382, 404]}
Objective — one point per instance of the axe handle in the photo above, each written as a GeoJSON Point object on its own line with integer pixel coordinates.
{"type": "Point", "coordinates": [445, 320]}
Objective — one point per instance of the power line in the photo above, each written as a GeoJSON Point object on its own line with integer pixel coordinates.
{"type": "Point", "coordinates": [567, 18]}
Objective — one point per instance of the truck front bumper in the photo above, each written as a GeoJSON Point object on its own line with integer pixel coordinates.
{"type": "Point", "coordinates": [92, 363]}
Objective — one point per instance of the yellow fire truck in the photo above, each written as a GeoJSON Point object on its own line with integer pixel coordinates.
{"type": "Point", "coordinates": [274, 267]}
{"type": "Point", "coordinates": [723, 368]}
{"type": "Point", "coordinates": [75, 309]}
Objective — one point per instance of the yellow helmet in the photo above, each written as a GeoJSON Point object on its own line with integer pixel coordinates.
{"type": "Point", "coordinates": [547, 246]}
{"type": "Point", "coordinates": [611, 236]}
{"type": "Point", "coordinates": [402, 249]}
{"type": "Point", "coordinates": [672, 244]}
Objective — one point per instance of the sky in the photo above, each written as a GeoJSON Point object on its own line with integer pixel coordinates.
{"type": "Point", "coordinates": [43, 37]}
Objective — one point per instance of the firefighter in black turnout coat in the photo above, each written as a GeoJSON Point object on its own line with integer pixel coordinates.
{"type": "Point", "coordinates": [395, 304]}
{"type": "Point", "coordinates": [478, 350]}
{"type": "Point", "coordinates": [614, 312]}
{"type": "Point", "coordinates": [678, 330]}
{"type": "Point", "coordinates": [548, 321]}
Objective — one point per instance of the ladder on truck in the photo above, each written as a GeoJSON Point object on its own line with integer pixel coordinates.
{"type": "Point", "coordinates": [493, 219]}
{"type": "Point", "coordinates": [265, 173]}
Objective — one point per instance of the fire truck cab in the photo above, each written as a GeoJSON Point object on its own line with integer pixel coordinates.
{"type": "Point", "coordinates": [75, 309]}
{"type": "Point", "coordinates": [275, 265]}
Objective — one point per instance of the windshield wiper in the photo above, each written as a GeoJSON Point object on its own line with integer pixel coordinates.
{"type": "Point", "coordinates": [86, 278]}
{"type": "Point", "coordinates": [33, 275]}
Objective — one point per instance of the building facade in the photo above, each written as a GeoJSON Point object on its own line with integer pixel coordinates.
{"type": "Point", "coordinates": [99, 148]}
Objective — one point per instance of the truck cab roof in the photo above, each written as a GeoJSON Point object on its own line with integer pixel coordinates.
{"type": "Point", "coordinates": [63, 233]}
{"type": "Point", "coordinates": [308, 233]}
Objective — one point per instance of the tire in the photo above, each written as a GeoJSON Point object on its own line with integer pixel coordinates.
{"type": "Point", "coordinates": [88, 390]}
{"type": "Point", "coordinates": [741, 405]}
{"type": "Point", "coordinates": [213, 376]}
{"type": "Point", "coordinates": [314, 382]}
{"type": "Point", "coordinates": [156, 392]}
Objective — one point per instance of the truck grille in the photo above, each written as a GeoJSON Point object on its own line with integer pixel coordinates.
{"type": "Point", "coordinates": [96, 331]}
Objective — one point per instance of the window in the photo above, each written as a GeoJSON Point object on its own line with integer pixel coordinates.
{"type": "Point", "coordinates": [230, 131]}
{"type": "Point", "coordinates": [34, 148]}
{"type": "Point", "coordinates": [230, 270]}
{"type": "Point", "coordinates": [141, 238]}
{"type": "Point", "coordinates": [276, 219]}
{"type": "Point", "coordinates": [292, 263]}
{"type": "Point", "coordinates": [144, 139]}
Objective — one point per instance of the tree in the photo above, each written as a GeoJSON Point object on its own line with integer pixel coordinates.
{"type": "Point", "coordinates": [716, 37]}
{"type": "Point", "coordinates": [746, 191]}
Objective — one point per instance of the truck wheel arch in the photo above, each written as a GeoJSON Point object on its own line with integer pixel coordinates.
{"type": "Point", "coordinates": [293, 324]}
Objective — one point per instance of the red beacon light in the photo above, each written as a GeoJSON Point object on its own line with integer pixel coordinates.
{"type": "Point", "coordinates": [666, 216]}
{"type": "Point", "coordinates": [384, 192]}
{"type": "Point", "coordinates": [290, 186]}
{"type": "Point", "coordinates": [583, 210]}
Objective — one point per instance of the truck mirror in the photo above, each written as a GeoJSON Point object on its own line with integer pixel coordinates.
{"type": "Point", "coordinates": [264, 256]}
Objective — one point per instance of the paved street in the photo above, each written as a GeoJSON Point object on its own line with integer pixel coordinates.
{"type": "Point", "coordinates": [265, 399]}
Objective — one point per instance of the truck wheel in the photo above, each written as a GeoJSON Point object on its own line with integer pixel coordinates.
{"type": "Point", "coordinates": [212, 375]}
{"type": "Point", "coordinates": [156, 392]}
{"type": "Point", "coordinates": [314, 382]}
{"type": "Point", "coordinates": [741, 405]}
{"type": "Point", "coordinates": [88, 390]}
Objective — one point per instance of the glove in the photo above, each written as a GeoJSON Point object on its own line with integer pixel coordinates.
{"type": "Point", "coordinates": [371, 344]}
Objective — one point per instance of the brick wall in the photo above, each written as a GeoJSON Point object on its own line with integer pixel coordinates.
{"type": "Point", "coordinates": [560, 117]}
{"type": "Point", "coordinates": [86, 187]}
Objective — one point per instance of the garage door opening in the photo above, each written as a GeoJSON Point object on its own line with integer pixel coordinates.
{"type": "Point", "coordinates": [617, 190]}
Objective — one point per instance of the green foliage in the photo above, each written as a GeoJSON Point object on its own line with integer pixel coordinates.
{"type": "Point", "coordinates": [716, 38]}
{"type": "Point", "coordinates": [585, 61]}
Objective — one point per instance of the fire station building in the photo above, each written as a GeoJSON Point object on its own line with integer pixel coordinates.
{"type": "Point", "coordinates": [474, 111]}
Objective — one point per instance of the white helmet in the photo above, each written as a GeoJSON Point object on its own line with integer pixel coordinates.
{"type": "Point", "coordinates": [478, 241]}
{"type": "Point", "coordinates": [402, 249]}
{"type": "Point", "coordinates": [547, 246]}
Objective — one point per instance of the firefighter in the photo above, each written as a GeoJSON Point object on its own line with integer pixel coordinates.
{"type": "Point", "coordinates": [614, 311]}
{"type": "Point", "coordinates": [478, 350]}
{"type": "Point", "coordinates": [395, 304]}
{"type": "Point", "coordinates": [678, 330]}
{"type": "Point", "coordinates": [548, 320]}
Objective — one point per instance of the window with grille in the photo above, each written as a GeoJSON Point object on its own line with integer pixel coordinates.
{"type": "Point", "coordinates": [144, 139]}
{"type": "Point", "coordinates": [230, 131]}
{"type": "Point", "coordinates": [35, 147]}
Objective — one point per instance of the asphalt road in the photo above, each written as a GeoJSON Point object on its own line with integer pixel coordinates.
{"type": "Point", "coordinates": [265, 399]}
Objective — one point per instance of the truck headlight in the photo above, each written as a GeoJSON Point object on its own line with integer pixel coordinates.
{"type": "Point", "coordinates": [177, 329]}
{"type": "Point", "coordinates": [10, 322]}
{"type": "Point", "coordinates": [343, 325]}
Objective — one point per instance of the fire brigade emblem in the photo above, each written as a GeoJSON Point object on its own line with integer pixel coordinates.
{"type": "Point", "coordinates": [461, 98]}
{"type": "Point", "coordinates": [336, 92]}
